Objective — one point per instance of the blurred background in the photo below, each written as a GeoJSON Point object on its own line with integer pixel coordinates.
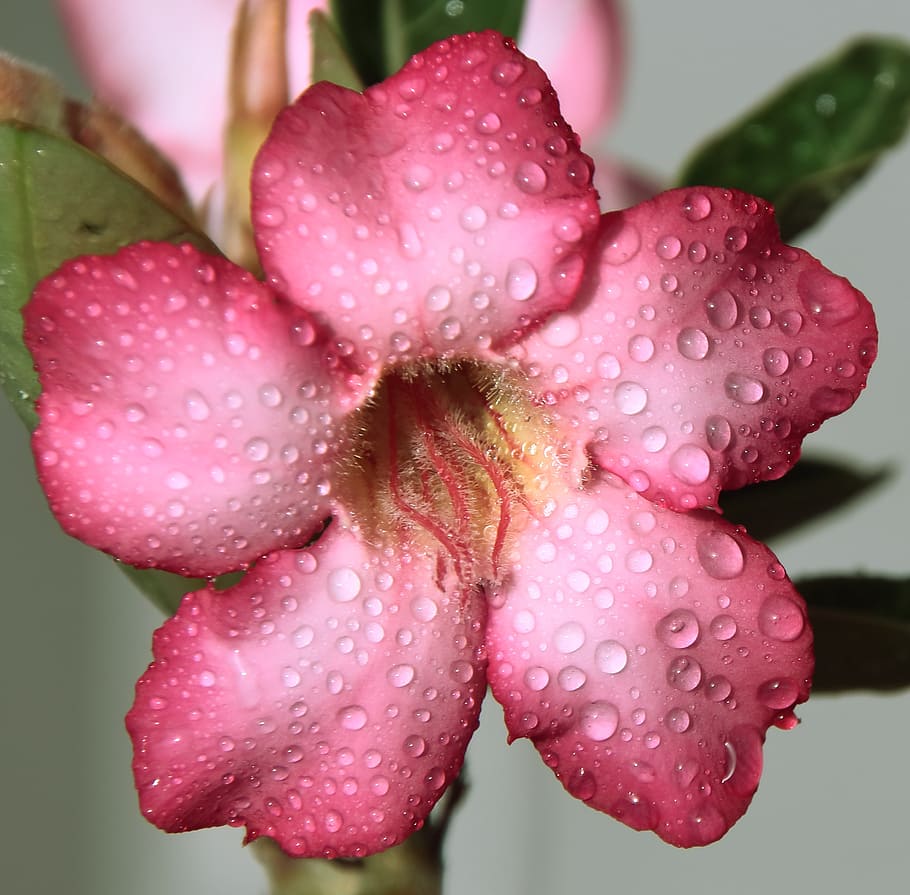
{"type": "Point", "coordinates": [831, 810]}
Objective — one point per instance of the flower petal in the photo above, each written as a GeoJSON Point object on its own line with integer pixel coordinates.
{"type": "Point", "coordinates": [128, 52]}
{"type": "Point", "coordinates": [579, 44]}
{"type": "Point", "coordinates": [443, 210]}
{"type": "Point", "coordinates": [164, 66]}
{"type": "Point", "coordinates": [645, 653]}
{"type": "Point", "coordinates": [187, 420]}
{"type": "Point", "coordinates": [706, 349]}
{"type": "Point", "coordinates": [325, 701]}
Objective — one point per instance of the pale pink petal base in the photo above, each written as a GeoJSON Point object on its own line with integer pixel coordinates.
{"type": "Point", "coordinates": [579, 44]}
{"type": "Point", "coordinates": [645, 653]}
{"type": "Point", "coordinates": [326, 701]}
{"type": "Point", "coordinates": [188, 421]}
{"type": "Point", "coordinates": [703, 350]}
{"type": "Point", "coordinates": [443, 211]}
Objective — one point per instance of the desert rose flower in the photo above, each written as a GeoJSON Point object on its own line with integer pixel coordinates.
{"type": "Point", "coordinates": [467, 432]}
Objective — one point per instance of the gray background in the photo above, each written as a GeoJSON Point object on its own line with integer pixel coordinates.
{"type": "Point", "coordinates": [831, 812]}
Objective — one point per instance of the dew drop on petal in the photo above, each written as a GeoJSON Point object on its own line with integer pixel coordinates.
{"type": "Point", "coordinates": [692, 343]}
{"type": "Point", "coordinates": [781, 618]}
{"type": "Point", "coordinates": [343, 584]}
{"type": "Point", "coordinates": [610, 656]}
{"type": "Point", "coordinates": [521, 279]}
{"type": "Point", "coordinates": [690, 464]}
{"type": "Point", "coordinates": [678, 628]}
{"type": "Point", "coordinates": [744, 389]}
{"type": "Point", "coordinates": [599, 720]}
{"type": "Point", "coordinates": [720, 554]}
{"type": "Point", "coordinates": [722, 309]}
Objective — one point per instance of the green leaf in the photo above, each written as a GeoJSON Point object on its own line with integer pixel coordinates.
{"type": "Point", "coordinates": [165, 589]}
{"type": "Point", "coordinates": [382, 36]}
{"type": "Point", "coordinates": [330, 59]}
{"type": "Point", "coordinates": [813, 488]}
{"type": "Point", "coordinates": [803, 148]}
{"type": "Point", "coordinates": [862, 632]}
{"type": "Point", "coordinates": [57, 201]}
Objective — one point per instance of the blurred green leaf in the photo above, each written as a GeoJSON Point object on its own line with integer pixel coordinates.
{"type": "Point", "coordinates": [330, 59]}
{"type": "Point", "coordinates": [805, 146]}
{"type": "Point", "coordinates": [862, 632]}
{"type": "Point", "coordinates": [57, 201]}
{"type": "Point", "coordinates": [165, 589]}
{"type": "Point", "coordinates": [813, 488]}
{"type": "Point", "coordinates": [381, 36]}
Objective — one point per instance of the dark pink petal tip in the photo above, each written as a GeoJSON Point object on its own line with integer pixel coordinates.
{"type": "Point", "coordinates": [704, 349]}
{"type": "Point", "coordinates": [645, 653]}
{"type": "Point", "coordinates": [187, 418]}
{"type": "Point", "coordinates": [326, 701]}
{"type": "Point", "coordinates": [439, 213]}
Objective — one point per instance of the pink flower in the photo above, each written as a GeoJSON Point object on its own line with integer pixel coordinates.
{"type": "Point", "coordinates": [165, 66]}
{"type": "Point", "coordinates": [461, 434]}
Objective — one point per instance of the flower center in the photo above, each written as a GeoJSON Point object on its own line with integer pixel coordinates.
{"type": "Point", "coordinates": [450, 459]}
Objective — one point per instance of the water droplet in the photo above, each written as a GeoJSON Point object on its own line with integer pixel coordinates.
{"type": "Point", "coordinates": [610, 656]}
{"type": "Point", "coordinates": [630, 398]}
{"type": "Point", "coordinates": [521, 279]}
{"type": "Point", "coordinates": [473, 218]}
{"type": "Point", "coordinates": [352, 717]}
{"type": "Point", "coordinates": [641, 349]}
{"type": "Point", "coordinates": [678, 720]}
{"type": "Point", "coordinates": [776, 361]}
{"type": "Point", "coordinates": [177, 481]}
{"type": "Point", "coordinates": [668, 247]}
{"type": "Point", "coordinates": [690, 464]}
{"type": "Point", "coordinates": [722, 309]}
{"type": "Point", "coordinates": [569, 637]}
{"type": "Point", "coordinates": [720, 554]}
{"type": "Point", "coordinates": [678, 628]}
{"type": "Point", "coordinates": [781, 618]}
{"type": "Point", "coordinates": [719, 432]}
{"type": "Point", "coordinates": [684, 673]}
{"type": "Point", "coordinates": [571, 678]}
{"type": "Point", "coordinates": [744, 389]}
{"type": "Point", "coordinates": [829, 299]}
{"type": "Point", "coordinates": [780, 693]}
{"type": "Point", "coordinates": [400, 675]}
{"type": "Point", "coordinates": [197, 408]}
{"type": "Point", "coordinates": [623, 244]}
{"type": "Point", "coordinates": [531, 178]}
{"type": "Point", "coordinates": [537, 677]}
{"type": "Point", "coordinates": [696, 206]}
{"type": "Point", "coordinates": [561, 330]}
{"type": "Point", "coordinates": [599, 720]}
{"type": "Point", "coordinates": [654, 439]}
{"type": "Point", "coordinates": [343, 584]}
{"type": "Point", "coordinates": [736, 239]}
{"type": "Point", "coordinates": [582, 785]}
{"type": "Point", "coordinates": [723, 627]}
{"type": "Point", "coordinates": [257, 449]}
{"type": "Point", "coordinates": [693, 343]}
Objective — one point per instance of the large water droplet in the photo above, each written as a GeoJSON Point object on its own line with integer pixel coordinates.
{"type": "Point", "coordinates": [610, 656]}
{"type": "Point", "coordinates": [781, 618]}
{"type": "Point", "coordinates": [521, 279]}
{"type": "Point", "coordinates": [744, 389]}
{"type": "Point", "coordinates": [678, 628]}
{"type": "Point", "coordinates": [693, 343]}
{"type": "Point", "coordinates": [720, 554]}
{"type": "Point", "coordinates": [599, 720]}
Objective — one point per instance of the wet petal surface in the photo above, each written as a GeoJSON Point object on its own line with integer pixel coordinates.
{"type": "Point", "coordinates": [442, 211]}
{"type": "Point", "coordinates": [645, 653]}
{"type": "Point", "coordinates": [188, 422]}
{"type": "Point", "coordinates": [325, 701]}
{"type": "Point", "coordinates": [704, 350]}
